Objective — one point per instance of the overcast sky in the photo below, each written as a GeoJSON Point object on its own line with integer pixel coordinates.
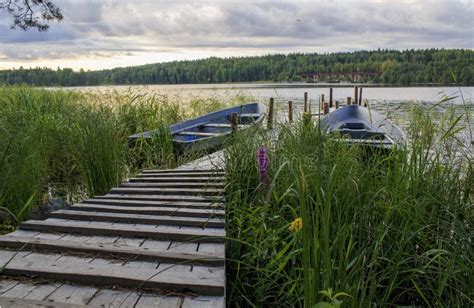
{"type": "Point", "coordinates": [97, 34]}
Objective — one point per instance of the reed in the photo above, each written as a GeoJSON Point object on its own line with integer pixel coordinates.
{"type": "Point", "coordinates": [71, 145]}
{"type": "Point", "coordinates": [380, 229]}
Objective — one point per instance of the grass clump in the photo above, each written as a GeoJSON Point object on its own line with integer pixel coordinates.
{"type": "Point", "coordinates": [335, 224]}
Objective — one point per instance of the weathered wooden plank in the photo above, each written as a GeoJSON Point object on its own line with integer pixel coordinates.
{"type": "Point", "coordinates": [181, 175]}
{"type": "Point", "coordinates": [24, 233]}
{"type": "Point", "coordinates": [180, 252]}
{"type": "Point", "coordinates": [186, 174]}
{"type": "Point", "coordinates": [168, 191]}
{"type": "Point", "coordinates": [151, 244]}
{"type": "Point", "coordinates": [6, 284]}
{"type": "Point", "coordinates": [48, 236]}
{"type": "Point", "coordinates": [130, 241]}
{"type": "Point", "coordinates": [212, 248]}
{"type": "Point", "coordinates": [180, 179]}
{"type": "Point", "coordinates": [187, 248]}
{"type": "Point", "coordinates": [159, 197]}
{"type": "Point", "coordinates": [168, 278]}
{"type": "Point", "coordinates": [213, 171]}
{"type": "Point", "coordinates": [151, 301]}
{"type": "Point", "coordinates": [194, 185]}
{"type": "Point", "coordinates": [204, 302]}
{"type": "Point", "coordinates": [19, 290]}
{"type": "Point", "coordinates": [175, 268]}
{"type": "Point", "coordinates": [99, 228]}
{"type": "Point", "coordinates": [115, 298]}
{"type": "Point", "coordinates": [126, 202]}
{"type": "Point", "coordinates": [138, 219]}
{"type": "Point", "coordinates": [109, 240]}
{"type": "Point", "coordinates": [42, 291]}
{"type": "Point", "coordinates": [141, 264]}
{"type": "Point", "coordinates": [70, 294]}
{"type": "Point", "coordinates": [139, 201]}
{"type": "Point", "coordinates": [30, 303]}
{"type": "Point", "coordinates": [76, 238]}
{"type": "Point", "coordinates": [176, 212]}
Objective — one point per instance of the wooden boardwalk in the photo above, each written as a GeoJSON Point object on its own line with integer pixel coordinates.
{"type": "Point", "coordinates": [154, 241]}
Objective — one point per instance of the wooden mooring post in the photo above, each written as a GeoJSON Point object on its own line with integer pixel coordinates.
{"type": "Point", "coordinates": [356, 95]}
{"type": "Point", "coordinates": [330, 97]}
{"type": "Point", "coordinates": [234, 122]}
{"type": "Point", "coordinates": [326, 108]}
{"type": "Point", "coordinates": [322, 102]}
{"type": "Point", "coordinates": [290, 111]}
{"type": "Point", "coordinates": [337, 104]}
{"type": "Point", "coordinates": [270, 113]}
{"type": "Point", "coordinates": [360, 96]}
{"type": "Point", "coordinates": [305, 106]}
{"type": "Point", "coordinates": [348, 100]}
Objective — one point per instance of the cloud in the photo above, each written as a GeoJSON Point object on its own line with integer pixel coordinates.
{"type": "Point", "coordinates": [117, 27]}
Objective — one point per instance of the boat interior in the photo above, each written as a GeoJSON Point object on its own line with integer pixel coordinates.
{"type": "Point", "coordinates": [359, 130]}
{"type": "Point", "coordinates": [214, 128]}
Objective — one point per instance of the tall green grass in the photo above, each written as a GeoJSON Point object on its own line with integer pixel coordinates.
{"type": "Point", "coordinates": [386, 228]}
{"type": "Point", "coordinates": [54, 144]}
{"type": "Point", "coordinates": [70, 145]}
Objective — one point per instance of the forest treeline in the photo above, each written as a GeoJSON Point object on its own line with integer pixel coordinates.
{"type": "Point", "coordinates": [409, 67]}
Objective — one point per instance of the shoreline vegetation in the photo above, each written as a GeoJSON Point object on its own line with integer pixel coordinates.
{"type": "Point", "coordinates": [71, 145]}
{"type": "Point", "coordinates": [317, 223]}
{"type": "Point", "coordinates": [388, 67]}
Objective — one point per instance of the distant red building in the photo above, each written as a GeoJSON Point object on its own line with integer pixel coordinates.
{"type": "Point", "coordinates": [352, 76]}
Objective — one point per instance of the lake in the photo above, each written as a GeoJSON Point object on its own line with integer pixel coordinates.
{"type": "Point", "coordinates": [294, 91]}
{"type": "Point", "coordinates": [394, 102]}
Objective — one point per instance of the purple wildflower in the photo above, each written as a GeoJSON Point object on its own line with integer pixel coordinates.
{"type": "Point", "coordinates": [263, 162]}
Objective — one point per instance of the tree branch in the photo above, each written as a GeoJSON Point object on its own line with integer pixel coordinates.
{"type": "Point", "coordinates": [29, 14]}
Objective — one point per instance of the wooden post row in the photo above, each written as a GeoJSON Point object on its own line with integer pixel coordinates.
{"type": "Point", "coordinates": [270, 113]}
{"type": "Point", "coordinates": [290, 111]}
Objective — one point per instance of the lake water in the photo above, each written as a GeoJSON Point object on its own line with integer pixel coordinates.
{"type": "Point", "coordinates": [294, 91]}
{"type": "Point", "coordinates": [393, 102]}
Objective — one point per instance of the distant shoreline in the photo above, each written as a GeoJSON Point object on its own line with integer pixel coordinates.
{"type": "Point", "coordinates": [271, 85]}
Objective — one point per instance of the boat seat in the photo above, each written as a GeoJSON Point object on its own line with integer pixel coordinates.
{"type": "Point", "coordinates": [223, 125]}
{"type": "Point", "coordinates": [362, 134]}
{"type": "Point", "coordinates": [249, 115]}
{"type": "Point", "coordinates": [200, 134]}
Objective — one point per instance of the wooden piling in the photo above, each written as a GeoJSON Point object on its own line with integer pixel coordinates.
{"type": "Point", "coordinates": [305, 109]}
{"type": "Point", "coordinates": [348, 100]}
{"type": "Point", "coordinates": [356, 95]}
{"type": "Point", "coordinates": [330, 97]}
{"type": "Point", "coordinates": [290, 111]}
{"type": "Point", "coordinates": [360, 96]}
{"type": "Point", "coordinates": [337, 104]}
{"type": "Point", "coordinates": [322, 102]}
{"type": "Point", "coordinates": [270, 113]}
{"type": "Point", "coordinates": [326, 108]}
{"type": "Point", "coordinates": [234, 122]}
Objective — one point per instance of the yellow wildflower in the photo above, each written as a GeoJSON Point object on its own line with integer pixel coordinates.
{"type": "Point", "coordinates": [296, 225]}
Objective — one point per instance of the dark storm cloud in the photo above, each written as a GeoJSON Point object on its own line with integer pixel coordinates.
{"type": "Point", "coordinates": [116, 26]}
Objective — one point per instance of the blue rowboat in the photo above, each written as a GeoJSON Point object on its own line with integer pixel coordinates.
{"type": "Point", "coordinates": [209, 131]}
{"type": "Point", "coordinates": [358, 124]}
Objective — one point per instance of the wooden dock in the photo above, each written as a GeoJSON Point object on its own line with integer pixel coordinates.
{"type": "Point", "coordinates": [154, 241]}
